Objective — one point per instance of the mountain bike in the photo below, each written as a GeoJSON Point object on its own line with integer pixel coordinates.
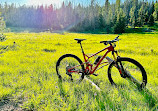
{"type": "Point", "coordinates": [120, 71]}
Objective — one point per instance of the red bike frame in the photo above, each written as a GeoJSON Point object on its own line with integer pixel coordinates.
{"type": "Point", "coordinates": [91, 70]}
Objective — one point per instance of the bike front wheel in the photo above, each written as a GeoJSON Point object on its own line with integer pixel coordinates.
{"type": "Point", "coordinates": [70, 68]}
{"type": "Point", "coordinates": [125, 70]}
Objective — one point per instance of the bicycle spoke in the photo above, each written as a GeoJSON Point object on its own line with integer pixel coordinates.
{"type": "Point", "coordinates": [133, 71]}
{"type": "Point", "coordinates": [69, 69]}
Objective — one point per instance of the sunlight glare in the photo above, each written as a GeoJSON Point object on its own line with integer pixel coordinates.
{"type": "Point", "coordinates": [44, 2]}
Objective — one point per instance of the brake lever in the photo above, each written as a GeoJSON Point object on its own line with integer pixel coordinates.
{"type": "Point", "coordinates": [106, 43]}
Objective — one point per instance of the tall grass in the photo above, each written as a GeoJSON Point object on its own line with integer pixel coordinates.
{"type": "Point", "coordinates": [27, 72]}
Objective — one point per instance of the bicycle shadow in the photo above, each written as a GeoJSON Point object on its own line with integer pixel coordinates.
{"type": "Point", "coordinates": [103, 97]}
{"type": "Point", "coordinates": [62, 91]}
{"type": "Point", "coordinates": [107, 99]}
{"type": "Point", "coordinates": [98, 96]}
{"type": "Point", "coordinates": [150, 99]}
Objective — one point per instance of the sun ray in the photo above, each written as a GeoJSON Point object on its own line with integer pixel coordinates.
{"type": "Point", "coordinates": [44, 2]}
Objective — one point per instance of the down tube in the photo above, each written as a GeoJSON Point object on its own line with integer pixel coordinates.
{"type": "Point", "coordinates": [100, 62]}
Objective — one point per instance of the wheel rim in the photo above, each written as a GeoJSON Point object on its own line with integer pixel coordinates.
{"type": "Point", "coordinates": [70, 69]}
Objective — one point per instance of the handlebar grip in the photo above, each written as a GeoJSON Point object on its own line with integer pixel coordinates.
{"type": "Point", "coordinates": [103, 41]}
{"type": "Point", "coordinates": [117, 37]}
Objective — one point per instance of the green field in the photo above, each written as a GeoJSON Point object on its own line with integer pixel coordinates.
{"type": "Point", "coordinates": [29, 81]}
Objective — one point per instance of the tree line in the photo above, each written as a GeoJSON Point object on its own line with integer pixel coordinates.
{"type": "Point", "coordinates": [110, 18]}
{"type": "Point", "coordinates": [2, 28]}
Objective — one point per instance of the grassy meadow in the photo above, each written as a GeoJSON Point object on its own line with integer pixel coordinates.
{"type": "Point", "coordinates": [29, 81]}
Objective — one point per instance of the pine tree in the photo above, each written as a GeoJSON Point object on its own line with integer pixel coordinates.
{"type": "Point", "coordinates": [140, 20]}
{"type": "Point", "coordinates": [134, 13]}
{"type": "Point", "coordinates": [92, 15]}
{"type": "Point", "coordinates": [155, 14]}
{"type": "Point", "coordinates": [107, 7]}
{"type": "Point", "coordinates": [120, 24]}
{"type": "Point", "coordinates": [126, 9]}
{"type": "Point", "coordinates": [117, 5]}
{"type": "Point", "coordinates": [132, 17]}
{"type": "Point", "coordinates": [101, 21]}
{"type": "Point", "coordinates": [152, 8]}
{"type": "Point", "coordinates": [151, 20]}
{"type": "Point", "coordinates": [2, 28]}
{"type": "Point", "coordinates": [146, 18]}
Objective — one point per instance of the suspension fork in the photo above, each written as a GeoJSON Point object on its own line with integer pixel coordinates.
{"type": "Point", "coordinates": [120, 67]}
{"type": "Point", "coordinates": [113, 53]}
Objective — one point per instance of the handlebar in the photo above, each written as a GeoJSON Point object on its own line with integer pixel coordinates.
{"type": "Point", "coordinates": [109, 42]}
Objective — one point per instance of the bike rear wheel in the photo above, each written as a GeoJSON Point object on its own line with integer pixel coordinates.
{"type": "Point", "coordinates": [125, 69]}
{"type": "Point", "coordinates": [70, 68]}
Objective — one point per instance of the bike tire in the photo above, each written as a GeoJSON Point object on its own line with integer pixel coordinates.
{"type": "Point", "coordinates": [61, 67]}
{"type": "Point", "coordinates": [134, 72]}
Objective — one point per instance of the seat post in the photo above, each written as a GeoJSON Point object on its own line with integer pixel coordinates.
{"type": "Point", "coordinates": [81, 48]}
{"type": "Point", "coordinates": [79, 41]}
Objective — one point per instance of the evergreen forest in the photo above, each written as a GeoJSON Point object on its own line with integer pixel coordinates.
{"type": "Point", "coordinates": [108, 18]}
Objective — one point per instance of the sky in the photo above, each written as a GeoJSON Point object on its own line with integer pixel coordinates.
{"type": "Point", "coordinates": [55, 2]}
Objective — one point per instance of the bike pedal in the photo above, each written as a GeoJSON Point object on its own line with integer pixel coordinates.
{"type": "Point", "coordinates": [95, 74]}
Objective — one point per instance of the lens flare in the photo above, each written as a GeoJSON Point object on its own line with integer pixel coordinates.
{"type": "Point", "coordinates": [44, 2]}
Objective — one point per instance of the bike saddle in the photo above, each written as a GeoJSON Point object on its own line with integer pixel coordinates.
{"type": "Point", "coordinates": [79, 40]}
